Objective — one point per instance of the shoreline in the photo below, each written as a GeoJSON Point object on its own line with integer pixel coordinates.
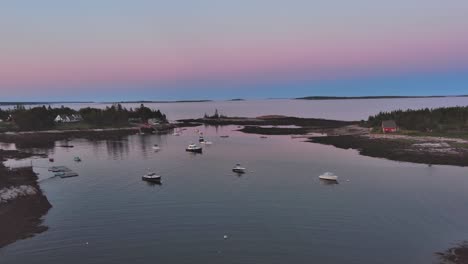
{"type": "Point", "coordinates": [20, 215]}
{"type": "Point", "coordinates": [47, 138]}
{"type": "Point", "coordinates": [430, 150]}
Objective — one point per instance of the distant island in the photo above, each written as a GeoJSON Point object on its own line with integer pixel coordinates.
{"type": "Point", "coordinates": [372, 97]}
{"type": "Point", "coordinates": [236, 99]}
{"type": "Point", "coordinates": [45, 103]}
{"type": "Point", "coordinates": [159, 102]}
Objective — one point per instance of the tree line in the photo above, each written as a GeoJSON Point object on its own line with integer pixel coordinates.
{"type": "Point", "coordinates": [42, 117]}
{"type": "Point", "coordinates": [438, 119]}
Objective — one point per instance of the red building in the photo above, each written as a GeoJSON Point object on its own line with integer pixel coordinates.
{"type": "Point", "coordinates": [389, 126]}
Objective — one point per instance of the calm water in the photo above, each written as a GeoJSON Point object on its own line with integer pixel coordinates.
{"type": "Point", "coordinates": [279, 212]}
{"type": "Point", "coordinates": [335, 109]}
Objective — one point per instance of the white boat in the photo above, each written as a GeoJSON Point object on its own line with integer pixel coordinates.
{"type": "Point", "coordinates": [194, 148]}
{"type": "Point", "coordinates": [206, 142]}
{"type": "Point", "coordinates": [239, 169]}
{"type": "Point", "coordinates": [328, 176]}
{"type": "Point", "coordinates": [156, 147]}
{"type": "Point", "coordinates": [77, 159]}
{"type": "Point", "coordinates": [176, 134]}
{"type": "Point", "coordinates": [151, 177]}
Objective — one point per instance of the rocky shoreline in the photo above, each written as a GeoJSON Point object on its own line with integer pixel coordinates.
{"type": "Point", "coordinates": [22, 203]}
{"type": "Point", "coordinates": [455, 255]}
{"type": "Point", "coordinates": [351, 135]}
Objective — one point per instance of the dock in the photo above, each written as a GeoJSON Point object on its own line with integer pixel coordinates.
{"type": "Point", "coordinates": [63, 171]}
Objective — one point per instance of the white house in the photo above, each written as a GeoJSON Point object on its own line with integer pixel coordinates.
{"type": "Point", "coordinates": [68, 118]}
{"type": "Point", "coordinates": [154, 121]}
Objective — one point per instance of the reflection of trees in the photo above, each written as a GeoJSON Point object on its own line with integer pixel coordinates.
{"type": "Point", "coordinates": [117, 148]}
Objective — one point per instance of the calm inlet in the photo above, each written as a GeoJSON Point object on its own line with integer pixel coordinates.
{"type": "Point", "coordinates": [278, 211]}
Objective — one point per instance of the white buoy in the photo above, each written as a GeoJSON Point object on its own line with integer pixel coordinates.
{"type": "Point", "coordinates": [225, 236]}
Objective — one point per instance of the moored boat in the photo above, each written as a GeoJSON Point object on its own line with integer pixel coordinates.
{"type": "Point", "coordinates": [156, 147]}
{"type": "Point", "coordinates": [151, 177]}
{"type": "Point", "coordinates": [77, 159]}
{"type": "Point", "coordinates": [328, 176]}
{"type": "Point", "coordinates": [194, 148]}
{"type": "Point", "coordinates": [239, 169]}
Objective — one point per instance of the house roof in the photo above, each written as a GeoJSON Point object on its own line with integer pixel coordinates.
{"type": "Point", "coordinates": [389, 124]}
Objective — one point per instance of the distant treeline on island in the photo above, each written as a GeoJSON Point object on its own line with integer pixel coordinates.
{"type": "Point", "coordinates": [438, 119]}
{"type": "Point", "coordinates": [43, 118]}
{"type": "Point", "coordinates": [372, 97]}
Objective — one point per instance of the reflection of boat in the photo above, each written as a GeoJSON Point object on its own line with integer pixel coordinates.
{"type": "Point", "coordinates": [176, 133]}
{"type": "Point", "coordinates": [194, 148]}
{"type": "Point", "coordinates": [151, 177]}
{"type": "Point", "coordinates": [239, 169]}
{"type": "Point", "coordinates": [77, 159]}
{"type": "Point", "coordinates": [328, 176]}
{"type": "Point", "coordinates": [156, 147]}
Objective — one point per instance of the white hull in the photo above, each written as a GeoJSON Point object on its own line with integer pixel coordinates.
{"type": "Point", "coordinates": [328, 177]}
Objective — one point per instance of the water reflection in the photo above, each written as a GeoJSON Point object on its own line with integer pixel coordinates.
{"type": "Point", "coordinates": [328, 182]}
{"type": "Point", "coordinates": [118, 149]}
{"type": "Point", "coordinates": [154, 184]}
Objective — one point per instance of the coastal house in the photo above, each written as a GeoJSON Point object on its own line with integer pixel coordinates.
{"type": "Point", "coordinates": [389, 126]}
{"type": "Point", "coordinates": [154, 121]}
{"type": "Point", "coordinates": [135, 120]}
{"type": "Point", "coordinates": [68, 118]}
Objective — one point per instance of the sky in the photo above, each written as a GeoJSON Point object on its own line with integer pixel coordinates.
{"type": "Point", "coordinates": [105, 50]}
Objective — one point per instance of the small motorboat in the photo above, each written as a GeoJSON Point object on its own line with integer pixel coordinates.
{"type": "Point", "coordinates": [151, 177]}
{"type": "Point", "coordinates": [176, 134]}
{"type": "Point", "coordinates": [239, 169]}
{"type": "Point", "coordinates": [51, 159]}
{"type": "Point", "coordinates": [156, 147]}
{"type": "Point", "coordinates": [194, 148]}
{"type": "Point", "coordinates": [201, 139]}
{"type": "Point", "coordinates": [263, 137]}
{"type": "Point", "coordinates": [224, 136]}
{"type": "Point", "coordinates": [328, 176]}
{"type": "Point", "coordinates": [77, 159]}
